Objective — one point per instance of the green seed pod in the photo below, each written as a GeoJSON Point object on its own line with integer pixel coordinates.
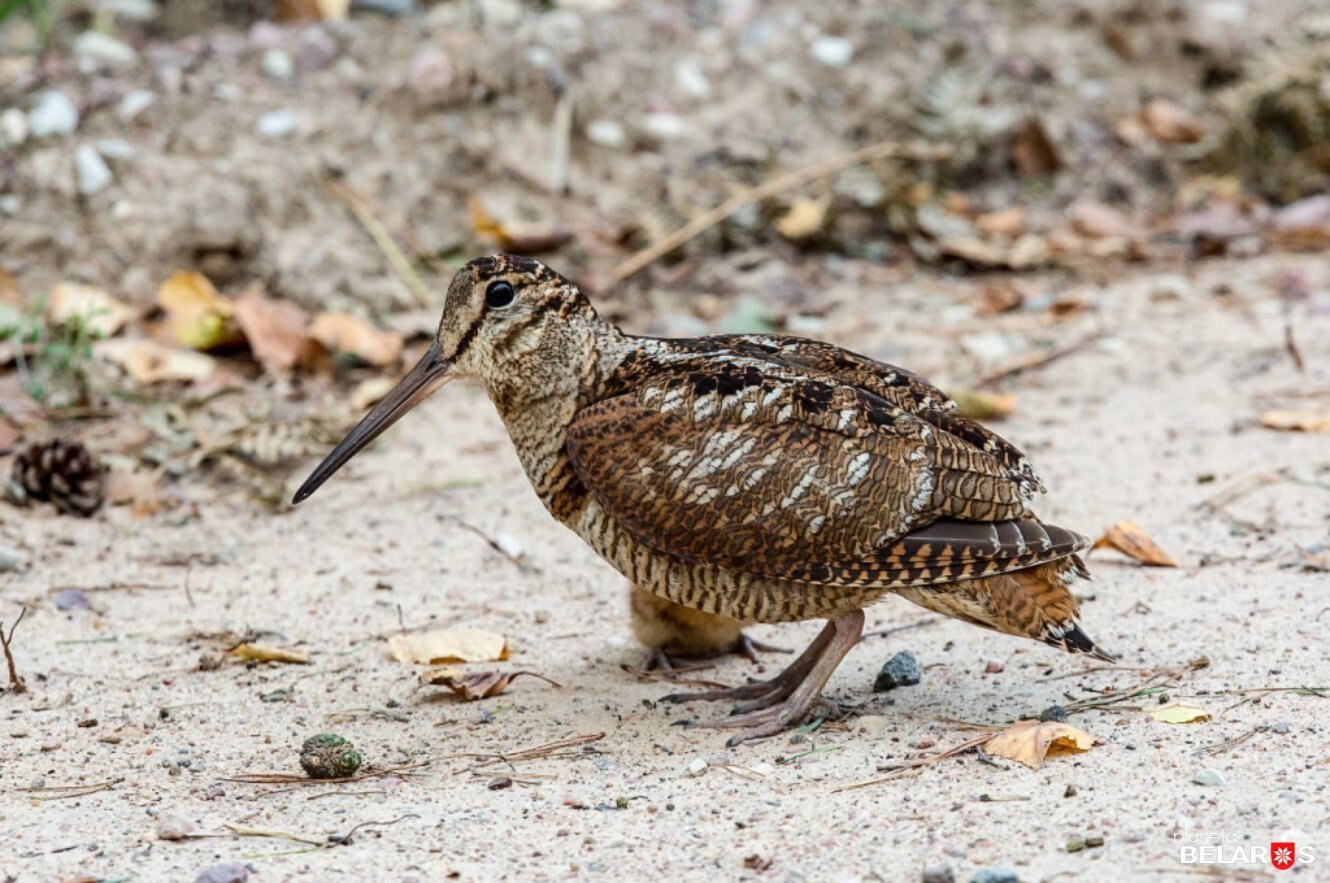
{"type": "Point", "coordinates": [329, 756]}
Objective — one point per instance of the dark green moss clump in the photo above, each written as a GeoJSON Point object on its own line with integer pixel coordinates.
{"type": "Point", "coordinates": [329, 756]}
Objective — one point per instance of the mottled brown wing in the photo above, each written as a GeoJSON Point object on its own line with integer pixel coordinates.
{"type": "Point", "coordinates": [902, 388]}
{"type": "Point", "coordinates": [791, 474]}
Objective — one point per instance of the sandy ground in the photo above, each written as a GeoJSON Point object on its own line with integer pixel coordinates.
{"type": "Point", "coordinates": [1147, 423]}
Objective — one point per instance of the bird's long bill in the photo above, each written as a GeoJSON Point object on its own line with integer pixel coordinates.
{"type": "Point", "coordinates": [430, 373]}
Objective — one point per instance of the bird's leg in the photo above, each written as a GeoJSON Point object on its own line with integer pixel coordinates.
{"type": "Point", "coordinates": [748, 648]}
{"type": "Point", "coordinates": [660, 659]}
{"type": "Point", "coordinates": [786, 698]}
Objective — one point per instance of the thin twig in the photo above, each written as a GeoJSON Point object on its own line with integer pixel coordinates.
{"type": "Point", "coordinates": [345, 839]}
{"type": "Point", "coordinates": [383, 239]}
{"type": "Point", "coordinates": [908, 766]}
{"type": "Point", "coordinates": [1037, 359]}
{"type": "Point", "coordinates": [489, 758]}
{"type": "Point", "coordinates": [241, 831]}
{"type": "Point", "coordinates": [493, 543]}
{"type": "Point", "coordinates": [917, 624]}
{"type": "Point", "coordinates": [16, 684]}
{"type": "Point", "coordinates": [290, 779]}
{"type": "Point", "coordinates": [65, 791]}
{"type": "Point", "coordinates": [708, 219]}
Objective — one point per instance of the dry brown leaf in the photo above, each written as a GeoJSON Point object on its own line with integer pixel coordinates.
{"type": "Point", "coordinates": [148, 362]}
{"type": "Point", "coordinates": [1131, 540]}
{"type": "Point", "coordinates": [1030, 741]}
{"type": "Point", "coordinates": [259, 653]}
{"type": "Point", "coordinates": [325, 10]}
{"type": "Point", "coordinates": [1005, 222]}
{"type": "Point", "coordinates": [370, 392]}
{"type": "Point", "coordinates": [340, 333]}
{"type": "Point", "coordinates": [471, 686]}
{"type": "Point", "coordinates": [515, 238]}
{"type": "Point", "coordinates": [1099, 221]}
{"type": "Point", "coordinates": [449, 645]}
{"type": "Point", "coordinates": [197, 316]}
{"type": "Point", "coordinates": [979, 405]}
{"type": "Point", "coordinates": [96, 310]}
{"type": "Point", "coordinates": [1170, 124]}
{"type": "Point", "coordinates": [276, 330]}
{"type": "Point", "coordinates": [137, 487]}
{"type": "Point", "coordinates": [1033, 151]}
{"type": "Point", "coordinates": [1179, 713]}
{"type": "Point", "coordinates": [804, 219]}
{"type": "Point", "coordinates": [1296, 421]}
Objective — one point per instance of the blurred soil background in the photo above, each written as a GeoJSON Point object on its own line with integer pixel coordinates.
{"type": "Point", "coordinates": [226, 228]}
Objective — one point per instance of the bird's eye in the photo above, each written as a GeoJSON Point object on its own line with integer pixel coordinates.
{"type": "Point", "coordinates": [499, 294]}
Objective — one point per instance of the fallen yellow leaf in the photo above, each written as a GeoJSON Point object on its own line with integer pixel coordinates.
{"type": "Point", "coordinates": [340, 333]}
{"type": "Point", "coordinates": [259, 653]}
{"type": "Point", "coordinates": [96, 310]}
{"type": "Point", "coordinates": [449, 645]}
{"type": "Point", "coordinates": [197, 316]}
{"type": "Point", "coordinates": [1030, 741]}
{"type": "Point", "coordinates": [147, 362]}
{"type": "Point", "coordinates": [471, 686]}
{"type": "Point", "coordinates": [1296, 421]}
{"type": "Point", "coordinates": [979, 405]}
{"type": "Point", "coordinates": [1130, 539]}
{"type": "Point", "coordinates": [275, 330]}
{"type": "Point", "coordinates": [1179, 713]}
{"type": "Point", "coordinates": [805, 218]}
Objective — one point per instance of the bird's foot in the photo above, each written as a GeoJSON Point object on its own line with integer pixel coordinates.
{"type": "Point", "coordinates": [776, 704]}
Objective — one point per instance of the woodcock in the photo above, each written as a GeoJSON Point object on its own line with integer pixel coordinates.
{"type": "Point", "coordinates": [755, 477]}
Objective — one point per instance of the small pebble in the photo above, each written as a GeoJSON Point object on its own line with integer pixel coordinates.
{"type": "Point", "coordinates": [10, 558]}
{"type": "Point", "coordinates": [1075, 843]}
{"type": "Point", "coordinates": [390, 8]}
{"type": "Point", "coordinates": [278, 65]}
{"type": "Point", "coordinates": [228, 872]}
{"type": "Point", "coordinates": [13, 127]}
{"type": "Point", "coordinates": [664, 126]}
{"type": "Point", "coordinates": [135, 103]}
{"type": "Point", "coordinates": [994, 666]}
{"type": "Point", "coordinates": [995, 875]}
{"type": "Point", "coordinates": [93, 50]}
{"type": "Point", "coordinates": [697, 766]}
{"type": "Point", "coordinates": [278, 123]}
{"type": "Point", "coordinates": [938, 874]}
{"type": "Point", "coordinates": [134, 10]}
{"type": "Point", "coordinates": [91, 172]}
{"type": "Point", "coordinates": [832, 51]}
{"type": "Point", "coordinates": [901, 670]}
{"type": "Point", "coordinates": [873, 724]}
{"type": "Point", "coordinates": [606, 133]}
{"type": "Point", "coordinates": [54, 114]}
{"type": "Point", "coordinates": [925, 742]}
{"type": "Point", "coordinates": [172, 827]}
{"type": "Point", "coordinates": [1056, 713]}
{"type": "Point", "coordinates": [1209, 777]}
{"type": "Point", "coordinates": [1094, 842]}
{"type": "Point", "coordinates": [498, 784]}
{"type": "Point", "coordinates": [430, 74]}
{"type": "Point", "coordinates": [316, 50]}
{"type": "Point", "coordinates": [1071, 791]}
{"type": "Point", "coordinates": [71, 599]}
{"type": "Point", "coordinates": [691, 80]}
{"type": "Point", "coordinates": [1281, 728]}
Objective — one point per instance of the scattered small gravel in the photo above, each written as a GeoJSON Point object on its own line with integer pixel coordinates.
{"type": "Point", "coordinates": [901, 670]}
{"type": "Point", "coordinates": [54, 115]}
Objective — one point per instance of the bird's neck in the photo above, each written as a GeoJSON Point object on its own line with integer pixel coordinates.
{"type": "Point", "coordinates": [538, 414]}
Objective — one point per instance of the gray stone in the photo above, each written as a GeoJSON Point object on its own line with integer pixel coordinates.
{"type": "Point", "coordinates": [692, 80]}
{"type": "Point", "coordinates": [10, 559]}
{"type": "Point", "coordinates": [832, 51]}
{"type": "Point", "coordinates": [430, 74]}
{"type": "Point", "coordinates": [91, 172]}
{"type": "Point", "coordinates": [901, 670]}
{"type": "Point", "coordinates": [277, 64]}
{"type": "Point", "coordinates": [1211, 778]}
{"type": "Point", "coordinates": [316, 49]}
{"type": "Point", "coordinates": [116, 149]}
{"type": "Point", "coordinates": [278, 123]}
{"type": "Point", "coordinates": [995, 875]}
{"type": "Point", "coordinates": [93, 50]}
{"type": "Point", "coordinates": [10, 206]}
{"type": "Point", "coordinates": [390, 8]}
{"type": "Point", "coordinates": [135, 103]}
{"type": "Point", "coordinates": [664, 126]}
{"type": "Point", "coordinates": [13, 127]}
{"type": "Point", "coordinates": [133, 10]}
{"type": "Point", "coordinates": [228, 872]}
{"type": "Point", "coordinates": [938, 874]}
{"type": "Point", "coordinates": [1281, 728]}
{"type": "Point", "coordinates": [54, 114]}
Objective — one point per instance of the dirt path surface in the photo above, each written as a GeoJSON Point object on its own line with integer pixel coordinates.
{"type": "Point", "coordinates": [1140, 187]}
{"type": "Point", "coordinates": [1133, 425]}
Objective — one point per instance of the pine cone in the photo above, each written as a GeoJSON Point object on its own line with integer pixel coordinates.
{"type": "Point", "coordinates": [63, 472]}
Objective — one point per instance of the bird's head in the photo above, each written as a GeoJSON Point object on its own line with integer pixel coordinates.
{"type": "Point", "coordinates": [511, 322]}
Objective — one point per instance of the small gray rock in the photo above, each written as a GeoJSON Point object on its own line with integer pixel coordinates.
{"type": "Point", "coordinates": [93, 50]}
{"type": "Point", "coordinates": [1281, 728]}
{"type": "Point", "coordinates": [91, 172]}
{"type": "Point", "coordinates": [390, 8]}
{"type": "Point", "coordinates": [995, 875]}
{"type": "Point", "coordinates": [316, 49]}
{"type": "Point", "coordinates": [277, 64]}
{"type": "Point", "coordinates": [938, 874]}
{"type": "Point", "coordinates": [606, 133]}
{"type": "Point", "coordinates": [901, 670]}
{"type": "Point", "coordinates": [1056, 713]}
{"type": "Point", "coordinates": [13, 127]}
{"type": "Point", "coordinates": [1211, 778]}
{"type": "Point", "coordinates": [832, 51]}
{"type": "Point", "coordinates": [430, 74]}
{"type": "Point", "coordinates": [134, 10]}
{"type": "Point", "coordinates": [115, 149]}
{"type": "Point", "coordinates": [54, 114]}
{"type": "Point", "coordinates": [227, 872]}
{"type": "Point", "coordinates": [10, 558]}
{"type": "Point", "coordinates": [278, 123]}
{"type": "Point", "coordinates": [664, 126]}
